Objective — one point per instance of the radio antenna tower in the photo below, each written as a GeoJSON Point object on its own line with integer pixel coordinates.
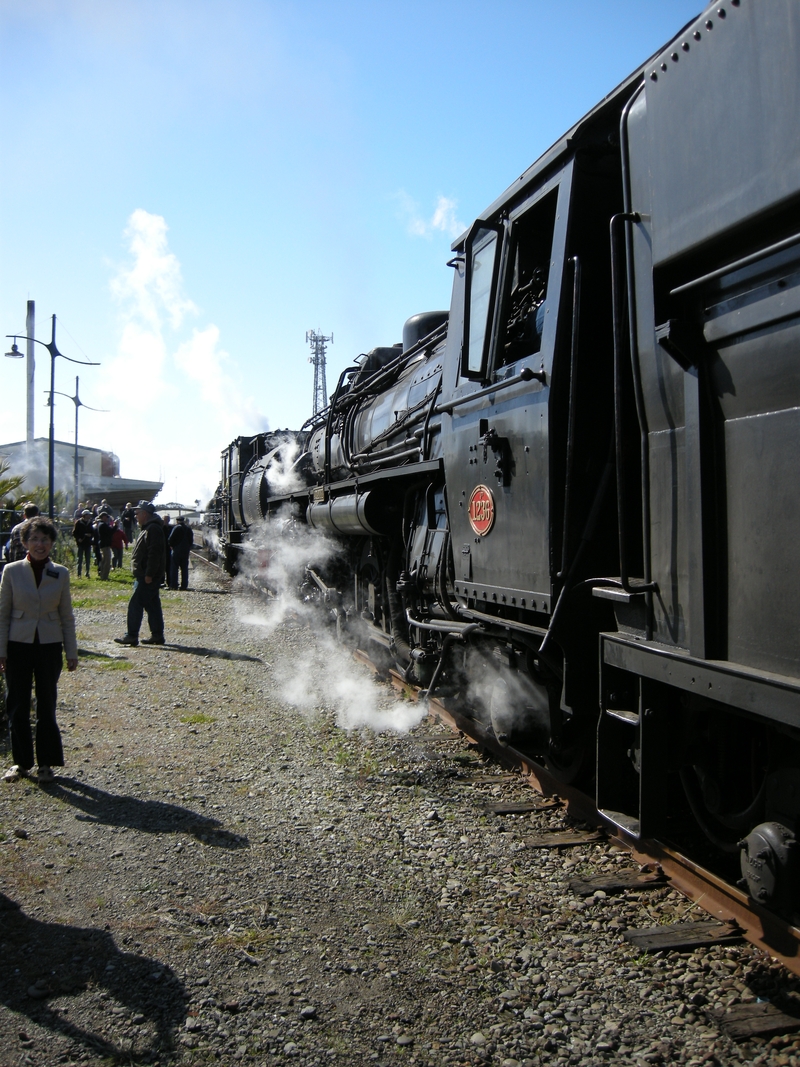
{"type": "Point", "coordinates": [318, 345]}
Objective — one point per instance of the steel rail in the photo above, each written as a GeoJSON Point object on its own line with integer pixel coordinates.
{"type": "Point", "coordinates": [724, 902]}
{"type": "Point", "coordinates": [194, 552]}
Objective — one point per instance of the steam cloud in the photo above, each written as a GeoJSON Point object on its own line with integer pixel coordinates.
{"type": "Point", "coordinates": [321, 674]}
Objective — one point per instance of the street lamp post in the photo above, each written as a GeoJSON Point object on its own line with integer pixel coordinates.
{"type": "Point", "coordinates": [76, 400]}
{"type": "Point", "coordinates": [51, 348]}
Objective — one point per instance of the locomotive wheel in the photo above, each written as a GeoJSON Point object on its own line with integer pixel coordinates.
{"type": "Point", "coordinates": [723, 829]}
{"type": "Point", "coordinates": [567, 763]}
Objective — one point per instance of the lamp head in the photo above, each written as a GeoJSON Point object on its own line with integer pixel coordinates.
{"type": "Point", "coordinates": [15, 352]}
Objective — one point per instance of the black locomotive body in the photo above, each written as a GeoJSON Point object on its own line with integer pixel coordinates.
{"type": "Point", "coordinates": [572, 502]}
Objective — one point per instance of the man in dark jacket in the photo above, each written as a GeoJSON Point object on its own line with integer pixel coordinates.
{"type": "Point", "coordinates": [104, 532]}
{"type": "Point", "coordinates": [128, 517]}
{"type": "Point", "coordinates": [147, 564]}
{"type": "Point", "coordinates": [168, 528]}
{"type": "Point", "coordinates": [180, 542]}
{"type": "Point", "coordinates": [83, 532]}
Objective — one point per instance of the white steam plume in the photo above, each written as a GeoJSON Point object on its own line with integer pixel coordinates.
{"type": "Point", "coordinates": [322, 674]}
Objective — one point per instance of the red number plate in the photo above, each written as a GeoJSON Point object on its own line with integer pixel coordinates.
{"type": "Point", "coordinates": [481, 509]}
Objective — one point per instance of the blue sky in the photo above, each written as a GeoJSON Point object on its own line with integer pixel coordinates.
{"type": "Point", "coordinates": [190, 185]}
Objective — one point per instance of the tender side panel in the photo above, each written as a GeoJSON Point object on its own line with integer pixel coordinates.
{"type": "Point", "coordinates": [722, 105]}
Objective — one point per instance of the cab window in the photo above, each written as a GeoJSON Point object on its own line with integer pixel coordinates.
{"type": "Point", "coordinates": [525, 300]}
{"type": "Point", "coordinates": [482, 263]}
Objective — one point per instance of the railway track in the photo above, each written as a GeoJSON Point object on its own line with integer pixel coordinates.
{"type": "Point", "coordinates": [203, 559]}
{"type": "Point", "coordinates": [724, 903]}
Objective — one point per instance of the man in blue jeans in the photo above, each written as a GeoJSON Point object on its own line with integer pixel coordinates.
{"type": "Point", "coordinates": [147, 562]}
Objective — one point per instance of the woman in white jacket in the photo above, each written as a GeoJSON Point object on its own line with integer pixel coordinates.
{"type": "Point", "coordinates": [36, 627]}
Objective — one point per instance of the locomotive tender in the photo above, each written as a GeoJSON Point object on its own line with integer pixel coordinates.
{"type": "Point", "coordinates": [572, 501]}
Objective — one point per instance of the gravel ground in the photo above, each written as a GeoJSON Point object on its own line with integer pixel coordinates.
{"type": "Point", "coordinates": [224, 873]}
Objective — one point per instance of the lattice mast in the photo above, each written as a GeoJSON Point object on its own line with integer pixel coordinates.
{"type": "Point", "coordinates": [319, 345]}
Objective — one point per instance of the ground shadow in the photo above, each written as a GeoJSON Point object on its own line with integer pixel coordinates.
{"type": "Point", "coordinates": [202, 589]}
{"type": "Point", "coordinates": [44, 960]}
{"type": "Point", "coordinates": [149, 816]}
{"type": "Point", "coordinates": [212, 653]}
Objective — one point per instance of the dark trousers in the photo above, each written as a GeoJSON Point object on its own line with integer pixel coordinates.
{"type": "Point", "coordinates": [26, 664]}
{"type": "Point", "coordinates": [145, 598]}
{"type": "Point", "coordinates": [179, 562]}
{"type": "Point", "coordinates": [84, 556]}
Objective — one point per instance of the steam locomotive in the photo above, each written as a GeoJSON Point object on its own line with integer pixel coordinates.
{"type": "Point", "coordinates": [572, 501]}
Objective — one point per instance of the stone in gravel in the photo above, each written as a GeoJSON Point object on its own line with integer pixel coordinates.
{"type": "Point", "coordinates": [38, 992]}
{"type": "Point", "coordinates": [21, 834]}
{"type": "Point", "coordinates": [477, 1039]}
{"type": "Point", "coordinates": [308, 1012]}
{"type": "Point", "coordinates": [405, 1039]}
{"type": "Point", "coordinates": [290, 1049]}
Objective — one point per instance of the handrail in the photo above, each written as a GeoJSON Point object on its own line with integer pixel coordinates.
{"type": "Point", "coordinates": [641, 414]}
{"type": "Point", "coordinates": [573, 374]}
{"type": "Point", "coordinates": [623, 219]}
{"type": "Point", "coordinates": [616, 221]}
{"type": "Point", "coordinates": [737, 264]}
{"type": "Point", "coordinates": [376, 458]}
{"type": "Point", "coordinates": [525, 375]}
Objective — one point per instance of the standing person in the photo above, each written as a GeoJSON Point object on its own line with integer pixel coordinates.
{"type": "Point", "coordinates": [83, 532]}
{"type": "Point", "coordinates": [36, 627]}
{"type": "Point", "coordinates": [105, 535]}
{"type": "Point", "coordinates": [118, 543]}
{"type": "Point", "coordinates": [168, 528]}
{"type": "Point", "coordinates": [147, 564]}
{"type": "Point", "coordinates": [16, 549]}
{"type": "Point", "coordinates": [128, 517]}
{"type": "Point", "coordinates": [180, 542]}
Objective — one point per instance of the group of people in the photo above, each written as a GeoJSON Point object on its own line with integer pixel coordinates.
{"type": "Point", "coordinates": [37, 624]}
{"type": "Point", "coordinates": [102, 535]}
{"type": "Point", "coordinates": [98, 532]}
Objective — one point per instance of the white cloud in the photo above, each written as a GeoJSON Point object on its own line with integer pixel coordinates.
{"type": "Point", "coordinates": [443, 220]}
{"type": "Point", "coordinates": [153, 285]}
{"type": "Point", "coordinates": [177, 398]}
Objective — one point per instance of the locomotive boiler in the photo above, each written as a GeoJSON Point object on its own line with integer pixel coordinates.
{"type": "Point", "coordinates": [571, 501]}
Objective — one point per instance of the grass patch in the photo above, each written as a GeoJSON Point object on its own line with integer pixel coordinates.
{"type": "Point", "coordinates": [197, 719]}
{"type": "Point", "coordinates": [110, 663]}
{"type": "Point", "coordinates": [117, 579]}
{"type": "Point", "coordinates": [252, 941]}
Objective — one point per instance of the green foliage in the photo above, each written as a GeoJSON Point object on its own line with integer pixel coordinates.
{"type": "Point", "coordinates": [8, 486]}
{"type": "Point", "coordinates": [40, 496]}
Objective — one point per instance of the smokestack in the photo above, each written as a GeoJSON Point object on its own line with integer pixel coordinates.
{"type": "Point", "coordinates": [30, 330]}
